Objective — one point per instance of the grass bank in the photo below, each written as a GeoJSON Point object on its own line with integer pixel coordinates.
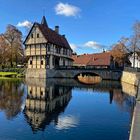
{"type": "Point", "coordinates": [12, 73]}
{"type": "Point", "coordinates": [8, 74]}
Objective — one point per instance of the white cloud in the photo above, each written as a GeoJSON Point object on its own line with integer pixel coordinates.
{"type": "Point", "coordinates": [25, 23]}
{"type": "Point", "coordinates": [66, 122]}
{"type": "Point", "coordinates": [93, 45]}
{"type": "Point", "coordinates": [67, 9]}
{"type": "Point", "coordinates": [74, 47]}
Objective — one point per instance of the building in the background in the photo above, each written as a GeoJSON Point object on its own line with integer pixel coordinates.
{"type": "Point", "coordinates": [135, 60]}
{"type": "Point", "coordinates": [98, 60]}
{"type": "Point", "coordinates": [46, 49]}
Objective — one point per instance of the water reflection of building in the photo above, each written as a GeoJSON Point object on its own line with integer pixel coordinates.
{"type": "Point", "coordinates": [44, 104]}
{"type": "Point", "coordinates": [47, 99]}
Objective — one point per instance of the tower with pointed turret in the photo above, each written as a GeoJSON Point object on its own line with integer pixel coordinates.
{"type": "Point", "coordinates": [46, 49]}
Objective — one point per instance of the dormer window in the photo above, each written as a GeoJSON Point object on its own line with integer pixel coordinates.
{"type": "Point", "coordinates": [37, 35]}
{"type": "Point", "coordinates": [32, 36]}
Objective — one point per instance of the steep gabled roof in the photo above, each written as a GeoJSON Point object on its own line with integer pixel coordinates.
{"type": "Point", "coordinates": [54, 37]}
{"type": "Point", "coordinates": [50, 35]}
{"type": "Point", "coordinates": [24, 42]}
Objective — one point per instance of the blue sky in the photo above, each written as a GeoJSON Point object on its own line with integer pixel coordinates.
{"type": "Point", "coordinates": [89, 25]}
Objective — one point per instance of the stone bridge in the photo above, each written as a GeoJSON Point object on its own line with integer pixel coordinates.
{"type": "Point", "coordinates": [105, 74]}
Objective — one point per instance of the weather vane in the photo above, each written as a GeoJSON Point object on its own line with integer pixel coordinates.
{"type": "Point", "coordinates": [44, 11]}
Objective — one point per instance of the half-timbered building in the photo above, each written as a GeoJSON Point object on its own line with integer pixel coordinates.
{"type": "Point", "coordinates": [46, 49]}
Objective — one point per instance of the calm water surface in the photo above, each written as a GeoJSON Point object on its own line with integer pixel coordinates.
{"type": "Point", "coordinates": [64, 110]}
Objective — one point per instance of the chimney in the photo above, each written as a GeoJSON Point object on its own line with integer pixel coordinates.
{"type": "Point", "coordinates": [103, 50]}
{"type": "Point", "coordinates": [57, 29]}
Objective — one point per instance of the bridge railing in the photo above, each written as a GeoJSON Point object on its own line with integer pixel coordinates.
{"type": "Point", "coordinates": [86, 68]}
{"type": "Point", "coordinates": [131, 69]}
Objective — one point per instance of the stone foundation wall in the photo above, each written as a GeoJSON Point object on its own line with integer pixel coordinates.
{"type": "Point", "coordinates": [36, 73]}
{"type": "Point", "coordinates": [129, 89]}
{"type": "Point", "coordinates": [130, 78]}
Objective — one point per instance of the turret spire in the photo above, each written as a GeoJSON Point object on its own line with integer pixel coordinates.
{"type": "Point", "coordinates": [44, 22]}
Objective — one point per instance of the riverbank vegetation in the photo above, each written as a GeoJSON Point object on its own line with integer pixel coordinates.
{"type": "Point", "coordinates": [12, 72]}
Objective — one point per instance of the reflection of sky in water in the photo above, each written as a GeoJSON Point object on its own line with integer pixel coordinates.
{"type": "Point", "coordinates": [67, 122]}
{"type": "Point", "coordinates": [24, 96]}
{"type": "Point", "coordinates": [100, 111]}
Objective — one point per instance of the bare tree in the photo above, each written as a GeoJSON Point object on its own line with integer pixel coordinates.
{"type": "Point", "coordinates": [4, 51]}
{"type": "Point", "coordinates": [14, 37]}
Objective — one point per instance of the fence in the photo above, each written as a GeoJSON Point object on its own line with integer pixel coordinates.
{"type": "Point", "coordinates": [87, 68]}
{"type": "Point", "coordinates": [131, 69]}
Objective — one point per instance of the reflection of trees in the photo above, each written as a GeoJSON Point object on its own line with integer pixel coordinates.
{"type": "Point", "coordinates": [11, 94]}
{"type": "Point", "coordinates": [44, 104]}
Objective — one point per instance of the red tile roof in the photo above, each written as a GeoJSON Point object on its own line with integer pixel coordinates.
{"type": "Point", "coordinates": [53, 37]}
{"type": "Point", "coordinates": [99, 59]}
{"type": "Point", "coordinates": [81, 59]}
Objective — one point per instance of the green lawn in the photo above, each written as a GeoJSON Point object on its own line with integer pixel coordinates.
{"type": "Point", "coordinates": [8, 74]}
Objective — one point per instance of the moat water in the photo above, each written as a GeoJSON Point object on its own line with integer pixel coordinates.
{"type": "Point", "coordinates": [59, 109]}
